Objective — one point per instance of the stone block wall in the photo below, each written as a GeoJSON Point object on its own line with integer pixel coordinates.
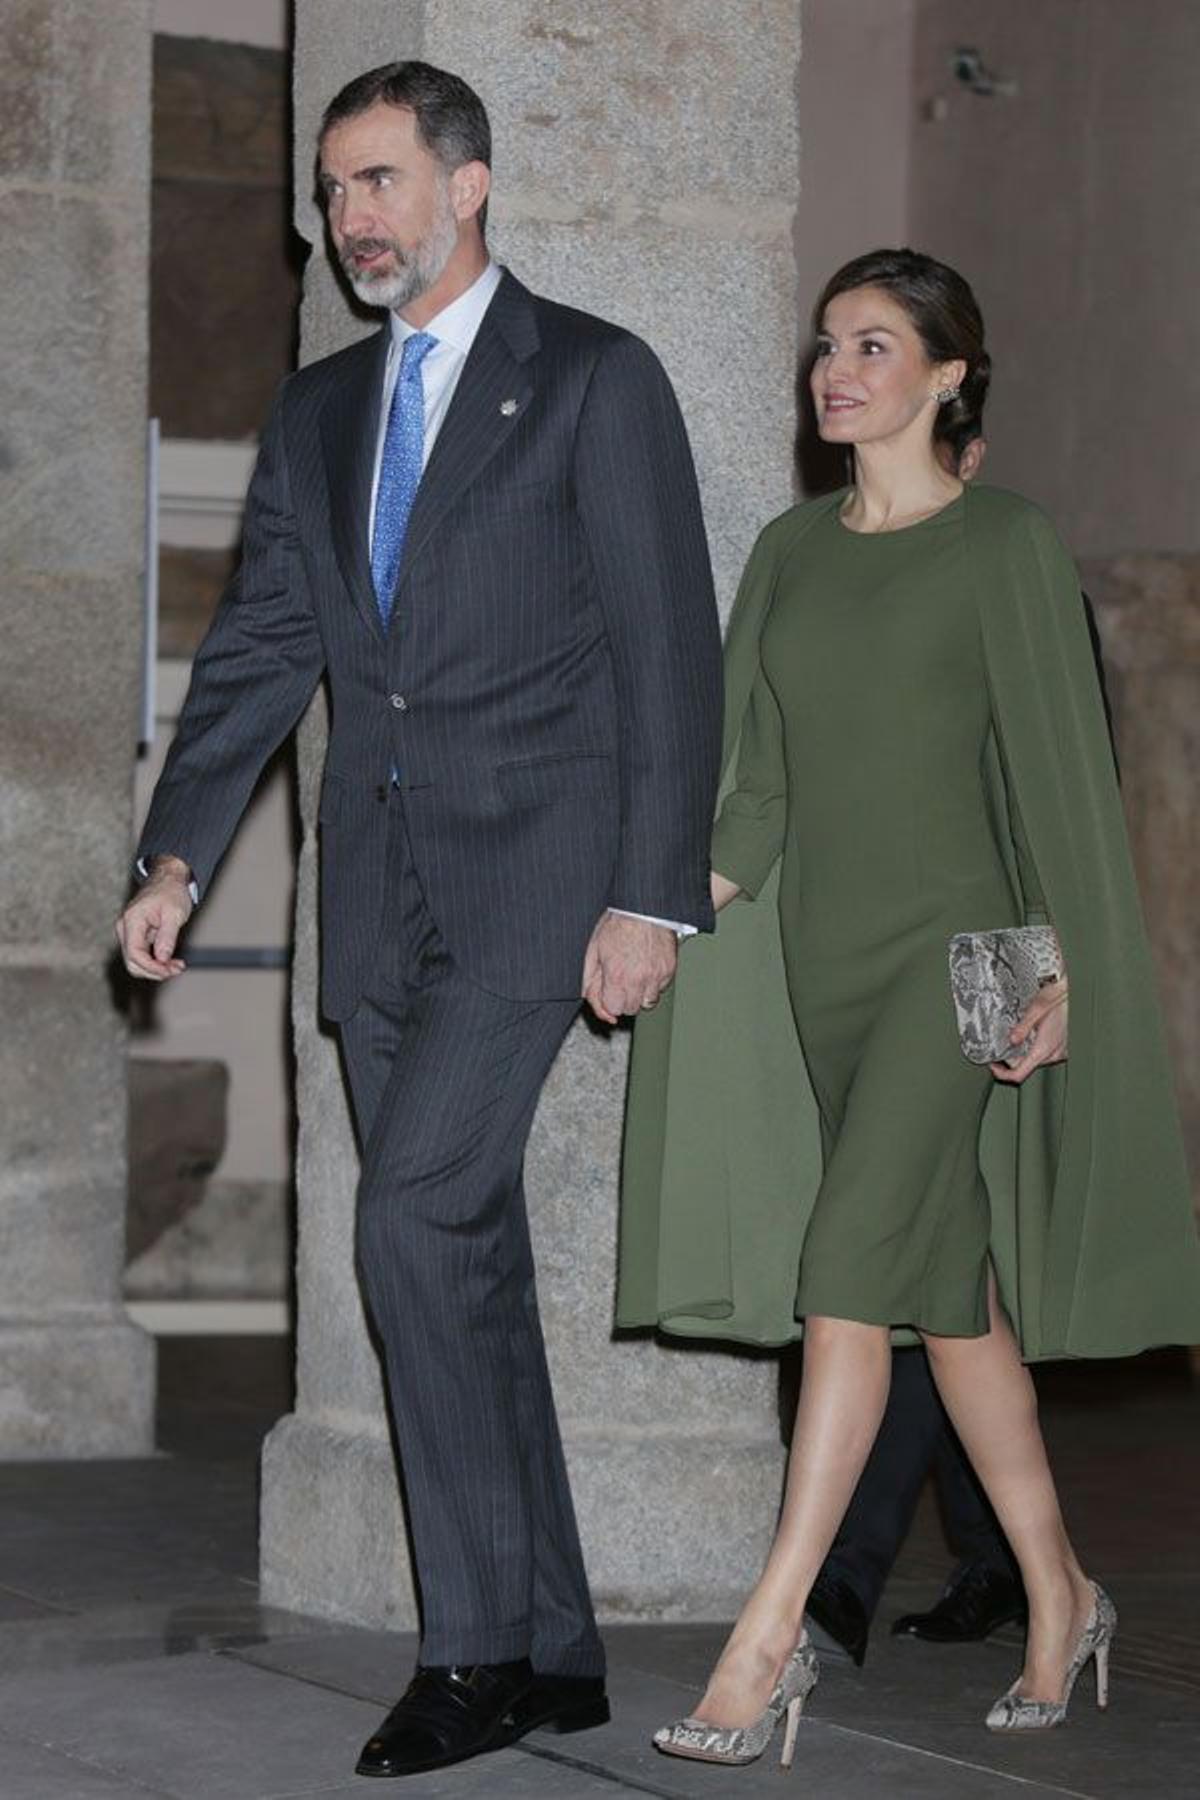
{"type": "Point", "coordinates": [75, 1377]}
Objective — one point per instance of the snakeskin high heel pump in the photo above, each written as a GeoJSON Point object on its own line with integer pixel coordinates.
{"type": "Point", "coordinates": [1012, 1712]}
{"type": "Point", "coordinates": [738, 1744]}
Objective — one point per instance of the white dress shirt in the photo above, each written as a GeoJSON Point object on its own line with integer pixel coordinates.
{"type": "Point", "coordinates": [454, 328]}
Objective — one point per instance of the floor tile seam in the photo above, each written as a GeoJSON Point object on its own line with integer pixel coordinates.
{"type": "Point", "coordinates": [544, 1754]}
{"type": "Point", "coordinates": [1165, 1680]}
{"type": "Point", "coordinates": [1150, 1665]}
{"type": "Point", "coordinates": [630, 1784]}
{"type": "Point", "coordinates": [1147, 1671]}
{"type": "Point", "coordinates": [231, 1653]}
{"type": "Point", "coordinates": [957, 1762]}
{"type": "Point", "coordinates": [1156, 1577]}
{"type": "Point", "coordinates": [166, 1597]}
{"type": "Point", "coordinates": [87, 1762]}
{"type": "Point", "coordinates": [36, 1611]}
{"type": "Point", "coordinates": [110, 1622]}
{"type": "Point", "coordinates": [1156, 1643]}
{"type": "Point", "coordinates": [237, 1653]}
{"type": "Point", "coordinates": [314, 1793]}
{"type": "Point", "coordinates": [1134, 1662]}
{"type": "Point", "coordinates": [114, 1625]}
{"type": "Point", "coordinates": [580, 1765]}
{"type": "Point", "coordinates": [630, 1667]}
{"type": "Point", "coordinates": [308, 1793]}
{"type": "Point", "coordinates": [19, 1593]}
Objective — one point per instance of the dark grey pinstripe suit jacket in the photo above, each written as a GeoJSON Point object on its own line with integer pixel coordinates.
{"type": "Point", "coordinates": [549, 690]}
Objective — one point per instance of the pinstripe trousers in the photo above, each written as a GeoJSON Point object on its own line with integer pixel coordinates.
{"type": "Point", "coordinates": [444, 1078]}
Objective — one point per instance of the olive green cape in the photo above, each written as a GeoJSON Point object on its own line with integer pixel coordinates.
{"type": "Point", "coordinates": [1093, 1236]}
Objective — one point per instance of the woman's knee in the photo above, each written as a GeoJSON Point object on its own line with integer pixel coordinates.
{"type": "Point", "coordinates": [938, 1348]}
{"type": "Point", "coordinates": [952, 1352]}
{"type": "Point", "coordinates": [824, 1334]}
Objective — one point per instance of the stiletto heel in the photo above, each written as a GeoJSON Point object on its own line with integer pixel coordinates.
{"type": "Point", "coordinates": [795, 1708]}
{"type": "Point", "coordinates": [1013, 1712]}
{"type": "Point", "coordinates": [738, 1744]}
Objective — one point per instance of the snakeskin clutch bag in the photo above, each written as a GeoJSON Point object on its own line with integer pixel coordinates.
{"type": "Point", "coordinates": [993, 977]}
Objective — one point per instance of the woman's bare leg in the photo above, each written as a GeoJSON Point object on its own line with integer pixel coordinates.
{"type": "Point", "coordinates": [843, 1391]}
{"type": "Point", "coordinates": [990, 1397]}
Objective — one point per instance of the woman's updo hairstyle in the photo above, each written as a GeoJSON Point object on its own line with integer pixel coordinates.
{"type": "Point", "coordinates": [947, 320]}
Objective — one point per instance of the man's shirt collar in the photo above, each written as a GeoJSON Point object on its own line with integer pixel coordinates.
{"type": "Point", "coordinates": [458, 323]}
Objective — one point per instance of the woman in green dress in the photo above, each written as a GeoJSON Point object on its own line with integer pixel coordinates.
{"type": "Point", "coordinates": [915, 747]}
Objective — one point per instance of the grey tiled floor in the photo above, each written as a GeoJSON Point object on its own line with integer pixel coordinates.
{"type": "Point", "coordinates": [137, 1664]}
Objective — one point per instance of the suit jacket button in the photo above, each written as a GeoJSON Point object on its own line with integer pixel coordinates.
{"type": "Point", "coordinates": [399, 702]}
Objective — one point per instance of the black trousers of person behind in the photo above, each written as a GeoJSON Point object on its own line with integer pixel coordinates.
{"type": "Point", "coordinates": [914, 1437]}
{"type": "Point", "coordinates": [445, 1079]}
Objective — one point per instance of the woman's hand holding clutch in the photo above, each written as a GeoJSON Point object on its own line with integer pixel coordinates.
{"type": "Point", "coordinates": [1045, 1021]}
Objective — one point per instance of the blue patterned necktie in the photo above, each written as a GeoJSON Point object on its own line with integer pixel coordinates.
{"type": "Point", "coordinates": [399, 470]}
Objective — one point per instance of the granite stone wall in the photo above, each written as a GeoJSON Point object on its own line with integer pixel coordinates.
{"type": "Point", "coordinates": [76, 1379]}
{"type": "Point", "coordinates": [646, 169]}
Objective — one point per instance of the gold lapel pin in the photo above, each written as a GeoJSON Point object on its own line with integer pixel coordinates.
{"type": "Point", "coordinates": [508, 408]}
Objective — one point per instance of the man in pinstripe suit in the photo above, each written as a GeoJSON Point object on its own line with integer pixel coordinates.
{"type": "Point", "coordinates": [488, 540]}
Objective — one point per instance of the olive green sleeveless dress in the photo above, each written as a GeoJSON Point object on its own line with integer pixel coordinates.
{"type": "Point", "coordinates": [862, 763]}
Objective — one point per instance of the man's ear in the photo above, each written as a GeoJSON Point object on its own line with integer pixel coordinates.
{"type": "Point", "coordinates": [469, 187]}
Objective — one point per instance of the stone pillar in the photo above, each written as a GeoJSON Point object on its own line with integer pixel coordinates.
{"type": "Point", "coordinates": [645, 169]}
{"type": "Point", "coordinates": [76, 1379]}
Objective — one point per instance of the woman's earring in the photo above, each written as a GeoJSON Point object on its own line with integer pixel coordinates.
{"type": "Point", "coordinates": [945, 395]}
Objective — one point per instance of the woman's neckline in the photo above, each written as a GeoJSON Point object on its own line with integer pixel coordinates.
{"type": "Point", "coordinates": [928, 518]}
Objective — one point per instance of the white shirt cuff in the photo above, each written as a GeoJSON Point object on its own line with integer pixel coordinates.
{"type": "Point", "coordinates": [681, 931]}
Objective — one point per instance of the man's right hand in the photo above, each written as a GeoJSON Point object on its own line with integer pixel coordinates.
{"type": "Point", "coordinates": [149, 927]}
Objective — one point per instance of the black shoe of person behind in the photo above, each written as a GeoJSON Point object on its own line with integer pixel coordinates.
{"type": "Point", "coordinates": [839, 1616]}
{"type": "Point", "coordinates": [446, 1715]}
{"type": "Point", "coordinates": [561, 1703]}
{"type": "Point", "coordinates": [977, 1602]}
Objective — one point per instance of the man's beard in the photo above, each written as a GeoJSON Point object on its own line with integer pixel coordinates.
{"type": "Point", "coordinates": [415, 270]}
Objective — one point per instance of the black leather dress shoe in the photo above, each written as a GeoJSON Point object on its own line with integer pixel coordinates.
{"type": "Point", "coordinates": [446, 1715]}
{"type": "Point", "coordinates": [839, 1615]}
{"type": "Point", "coordinates": [978, 1601]}
{"type": "Point", "coordinates": [561, 1703]}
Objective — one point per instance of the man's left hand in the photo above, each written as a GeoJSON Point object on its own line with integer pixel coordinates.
{"type": "Point", "coordinates": [628, 964]}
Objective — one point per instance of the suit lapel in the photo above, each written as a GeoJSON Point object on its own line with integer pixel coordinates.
{"type": "Point", "coordinates": [492, 396]}
{"type": "Point", "coordinates": [349, 430]}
